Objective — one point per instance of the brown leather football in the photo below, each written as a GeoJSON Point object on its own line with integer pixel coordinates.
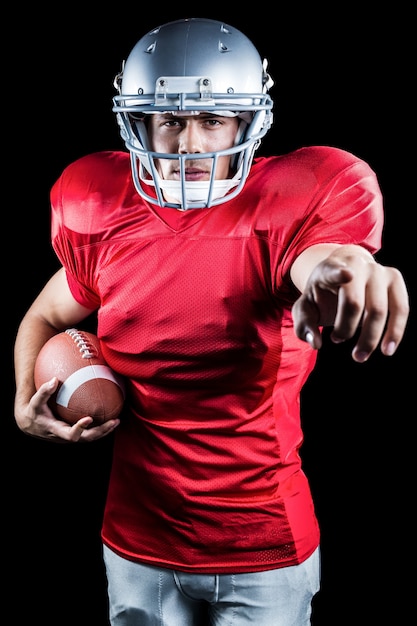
{"type": "Point", "coordinates": [87, 385]}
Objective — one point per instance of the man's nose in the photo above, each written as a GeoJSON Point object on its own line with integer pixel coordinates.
{"type": "Point", "coordinates": [190, 140]}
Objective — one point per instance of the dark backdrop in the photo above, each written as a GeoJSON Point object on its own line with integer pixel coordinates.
{"type": "Point", "coordinates": [343, 77]}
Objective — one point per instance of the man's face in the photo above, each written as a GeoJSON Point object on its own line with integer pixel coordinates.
{"type": "Point", "coordinates": [192, 134]}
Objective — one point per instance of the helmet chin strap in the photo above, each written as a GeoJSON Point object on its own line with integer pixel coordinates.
{"type": "Point", "coordinates": [194, 191]}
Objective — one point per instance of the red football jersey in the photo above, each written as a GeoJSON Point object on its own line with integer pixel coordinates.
{"type": "Point", "coordinates": [194, 309]}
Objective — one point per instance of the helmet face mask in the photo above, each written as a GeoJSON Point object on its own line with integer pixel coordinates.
{"type": "Point", "coordinates": [184, 68]}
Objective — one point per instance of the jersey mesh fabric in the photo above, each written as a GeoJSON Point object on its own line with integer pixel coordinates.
{"type": "Point", "coordinates": [195, 312]}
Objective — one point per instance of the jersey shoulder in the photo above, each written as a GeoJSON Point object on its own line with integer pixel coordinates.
{"type": "Point", "coordinates": [97, 170]}
{"type": "Point", "coordinates": [92, 192]}
{"type": "Point", "coordinates": [313, 158]}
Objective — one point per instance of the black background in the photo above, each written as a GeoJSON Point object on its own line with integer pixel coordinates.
{"type": "Point", "coordinates": [343, 77]}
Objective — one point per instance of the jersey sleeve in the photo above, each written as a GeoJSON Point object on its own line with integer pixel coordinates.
{"type": "Point", "coordinates": [84, 210]}
{"type": "Point", "coordinates": [346, 206]}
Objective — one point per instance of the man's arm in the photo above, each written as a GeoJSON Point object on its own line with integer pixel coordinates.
{"type": "Point", "coordinates": [52, 311]}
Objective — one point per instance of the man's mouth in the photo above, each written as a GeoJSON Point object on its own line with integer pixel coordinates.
{"type": "Point", "coordinates": [192, 174]}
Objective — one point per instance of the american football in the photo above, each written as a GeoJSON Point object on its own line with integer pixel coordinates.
{"type": "Point", "coordinates": [87, 385]}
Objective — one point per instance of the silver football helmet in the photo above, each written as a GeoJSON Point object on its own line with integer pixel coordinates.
{"type": "Point", "coordinates": [192, 65]}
